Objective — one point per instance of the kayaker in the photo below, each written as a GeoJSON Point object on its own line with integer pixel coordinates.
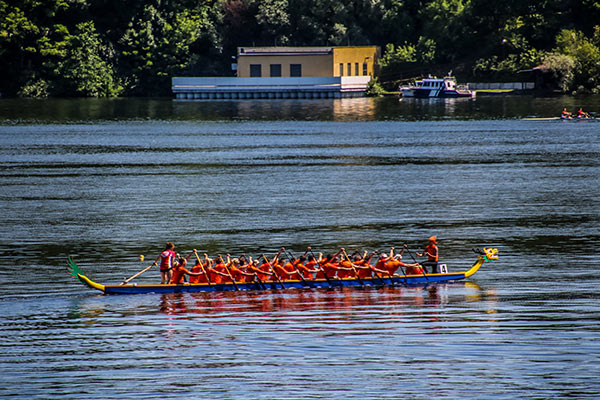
{"type": "Point", "coordinates": [432, 253]}
{"type": "Point", "coordinates": [582, 114]}
{"type": "Point", "coordinates": [565, 114]}
{"type": "Point", "coordinates": [166, 258]}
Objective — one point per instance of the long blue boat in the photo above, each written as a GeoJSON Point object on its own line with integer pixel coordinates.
{"type": "Point", "coordinates": [483, 256]}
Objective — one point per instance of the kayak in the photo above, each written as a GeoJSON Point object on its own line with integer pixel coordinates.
{"type": "Point", "coordinates": [483, 256]}
{"type": "Point", "coordinates": [590, 119]}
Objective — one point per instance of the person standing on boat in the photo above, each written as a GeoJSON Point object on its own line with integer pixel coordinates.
{"type": "Point", "coordinates": [166, 259]}
{"type": "Point", "coordinates": [432, 253]}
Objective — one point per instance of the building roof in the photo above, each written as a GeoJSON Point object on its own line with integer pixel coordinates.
{"type": "Point", "coordinates": [283, 51]}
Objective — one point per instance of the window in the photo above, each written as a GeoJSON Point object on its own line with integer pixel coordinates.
{"type": "Point", "coordinates": [275, 70]}
{"type": "Point", "coordinates": [255, 70]}
{"type": "Point", "coordinates": [365, 66]}
{"type": "Point", "coordinates": [349, 69]}
{"type": "Point", "coordinates": [295, 69]}
{"type": "Point", "coordinates": [341, 69]}
{"type": "Point", "coordinates": [356, 69]}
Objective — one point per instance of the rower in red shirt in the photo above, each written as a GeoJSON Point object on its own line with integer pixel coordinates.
{"type": "Point", "coordinates": [307, 267]}
{"type": "Point", "coordinates": [332, 267]}
{"type": "Point", "coordinates": [238, 271]}
{"type": "Point", "coordinates": [364, 269]}
{"type": "Point", "coordinates": [179, 271]}
{"type": "Point", "coordinates": [201, 267]}
{"type": "Point", "coordinates": [218, 273]}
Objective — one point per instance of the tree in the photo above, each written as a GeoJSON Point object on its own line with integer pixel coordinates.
{"type": "Point", "coordinates": [85, 72]}
{"type": "Point", "coordinates": [586, 56]}
{"type": "Point", "coordinates": [561, 68]}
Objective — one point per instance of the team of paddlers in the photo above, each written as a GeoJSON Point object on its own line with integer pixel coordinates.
{"type": "Point", "coordinates": [308, 266]}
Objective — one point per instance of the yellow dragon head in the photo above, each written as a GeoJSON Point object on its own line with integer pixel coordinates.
{"type": "Point", "coordinates": [490, 254]}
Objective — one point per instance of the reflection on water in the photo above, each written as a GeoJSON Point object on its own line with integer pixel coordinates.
{"type": "Point", "coordinates": [337, 303]}
{"type": "Point", "coordinates": [352, 109]}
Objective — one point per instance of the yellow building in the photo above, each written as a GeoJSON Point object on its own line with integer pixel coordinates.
{"type": "Point", "coordinates": [269, 62]}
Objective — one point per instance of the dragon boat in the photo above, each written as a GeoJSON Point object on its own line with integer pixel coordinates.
{"type": "Point", "coordinates": [483, 256]}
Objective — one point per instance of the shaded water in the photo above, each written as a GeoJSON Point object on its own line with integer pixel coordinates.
{"type": "Point", "coordinates": [106, 181]}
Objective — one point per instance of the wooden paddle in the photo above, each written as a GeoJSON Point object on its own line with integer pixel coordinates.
{"type": "Point", "coordinates": [229, 273]}
{"type": "Point", "coordinates": [138, 274]}
{"type": "Point", "coordinates": [402, 269]}
{"type": "Point", "coordinates": [416, 262]}
{"type": "Point", "coordinates": [373, 268]}
{"type": "Point", "coordinates": [353, 269]}
{"type": "Point", "coordinates": [273, 269]}
{"type": "Point", "coordinates": [294, 265]}
{"type": "Point", "coordinates": [202, 266]}
{"type": "Point", "coordinates": [262, 285]}
{"type": "Point", "coordinates": [320, 268]}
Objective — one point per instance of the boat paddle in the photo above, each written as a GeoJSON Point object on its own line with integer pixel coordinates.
{"type": "Point", "coordinates": [320, 267]}
{"type": "Point", "coordinates": [251, 267]}
{"type": "Point", "coordinates": [416, 262]}
{"type": "Point", "coordinates": [292, 257]}
{"type": "Point", "coordinates": [273, 269]}
{"type": "Point", "coordinates": [373, 268]}
{"type": "Point", "coordinates": [202, 266]}
{"type": "Point", "coordinates": [353, 268]}
{"type": "Point", "coordinates": [229, 273]}
{"type": "Point", "coordinates": [138, 274]}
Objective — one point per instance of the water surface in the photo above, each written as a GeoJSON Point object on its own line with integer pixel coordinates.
{"type": "Point", "coordinates": [244, 177]}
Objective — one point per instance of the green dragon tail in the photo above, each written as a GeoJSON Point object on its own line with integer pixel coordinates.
{"type": "Point", "coordinates": [74, 269]}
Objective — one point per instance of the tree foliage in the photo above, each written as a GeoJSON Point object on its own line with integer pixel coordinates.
{"type": "Point", "coordinates": [134, 47]}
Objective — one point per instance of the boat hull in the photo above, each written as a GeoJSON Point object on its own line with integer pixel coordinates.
{"type": "Point", "coordinates": [439, 94]}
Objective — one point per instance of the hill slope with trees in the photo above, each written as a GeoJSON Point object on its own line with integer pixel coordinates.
{"type": "Point", "coordinates": [97, 48]}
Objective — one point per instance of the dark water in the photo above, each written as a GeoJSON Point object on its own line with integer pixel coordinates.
{"type": "Point", "coordinates": [106, 181]}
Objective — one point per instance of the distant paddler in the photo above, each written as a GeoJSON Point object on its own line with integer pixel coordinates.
{"type": "Point", "coordinates": [582, 114]}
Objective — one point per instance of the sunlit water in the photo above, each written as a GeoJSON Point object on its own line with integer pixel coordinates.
{"type": "Point", "coordinates": [254, 176]}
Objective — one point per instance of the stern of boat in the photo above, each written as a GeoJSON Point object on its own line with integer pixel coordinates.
{"type": "Point", "coordinates": [76, 272]}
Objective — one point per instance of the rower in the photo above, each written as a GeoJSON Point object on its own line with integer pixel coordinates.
{"type": "Point", "coordinates": [307, 266]}
{"type": "Point", "coordinates": [238, 273]}
{"type": "Point", "coordinates": [565, 114]}
{"type": "Point", "coordinates": [201, 267]}
{"type": "Point", "coordinates": [395, 262]}
{"type": "Point", "coordinates": [582, 114]}
{"type": "Point", "coordinates": [179, 270]}
{"type": "Point", "coordinates": [332, 267]}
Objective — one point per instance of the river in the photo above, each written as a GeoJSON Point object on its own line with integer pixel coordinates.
{"type": "Point", "coordinates": [106, 181]}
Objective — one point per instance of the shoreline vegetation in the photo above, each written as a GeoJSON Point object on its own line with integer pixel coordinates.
{"type": "Point", "coordinates": [128, 48]}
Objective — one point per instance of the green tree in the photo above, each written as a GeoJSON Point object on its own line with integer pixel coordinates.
{"type": "Point", "coordinates": [274, 21]}
{"type": "Point", "coordinates": [586, 55]}
{"type": "Point", "coordinates": [561, 67]}
{"type": "Point", "coordinates": [84, 71]}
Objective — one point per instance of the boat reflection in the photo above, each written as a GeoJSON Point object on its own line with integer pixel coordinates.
{"type": "Point", "coordinates": [340, 301]}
